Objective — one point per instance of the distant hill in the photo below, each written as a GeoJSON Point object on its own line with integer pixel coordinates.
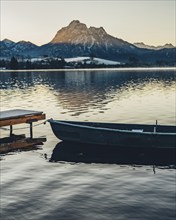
{"type": "Point", "coordinates": [145, 46]}
{"type": "Point", "coordinates": [21, 48]}
{"type": "Point", "coordinates": [77, 40]}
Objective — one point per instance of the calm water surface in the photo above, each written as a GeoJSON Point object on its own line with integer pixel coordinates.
{"type": "Point", "coordinates": [59, 181]}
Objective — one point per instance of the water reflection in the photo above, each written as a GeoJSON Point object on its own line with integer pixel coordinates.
{"type": "Point", "coordinates": [75, 152]}
{"type": "Point", "coordinates": [34, 188]}
{"type": "Point", "coordinates": [117, 95]}
{"type": "Point", "coordinates": [20, 142]}
{"type": "Point", "coordinates": [103, 79]}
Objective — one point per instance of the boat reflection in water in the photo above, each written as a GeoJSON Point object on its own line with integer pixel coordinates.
{"type": "Point", "coordinates": [84, 153]}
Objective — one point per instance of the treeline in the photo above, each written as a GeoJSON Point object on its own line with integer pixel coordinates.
{"type": "Point", "coordinates": [59, 63]}
{"type": "Point", "coordinates": [49, 63]}
{"type": "Point", "coordinates": [15, 64]}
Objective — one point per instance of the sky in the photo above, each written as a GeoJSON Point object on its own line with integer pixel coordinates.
{"type": "Point", "coordinates": [148, 21]}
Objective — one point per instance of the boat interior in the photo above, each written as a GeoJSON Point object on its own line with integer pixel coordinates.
{"type": "Point", "coordinates": [131, 127]}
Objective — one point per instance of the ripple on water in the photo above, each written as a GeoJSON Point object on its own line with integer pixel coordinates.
{"type": "Point", "coordinates": [68, 182]}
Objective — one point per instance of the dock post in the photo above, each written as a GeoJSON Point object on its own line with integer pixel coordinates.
{"type": "Point", "coordinates": [31, 131]}
{"type": "Point", "coordinates": [11, 130]}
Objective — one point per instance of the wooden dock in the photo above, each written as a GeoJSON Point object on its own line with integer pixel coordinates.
{"type": "Point", "coordinates": [19, 142]}
{"type": "Point", "coordinates": [19, 116]}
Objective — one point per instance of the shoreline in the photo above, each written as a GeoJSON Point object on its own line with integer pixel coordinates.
{"type": "Point", "coordinates": [91, 69]}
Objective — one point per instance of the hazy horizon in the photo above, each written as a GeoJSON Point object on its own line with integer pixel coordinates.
{"type": "Point", "coordinates": [150, 22]}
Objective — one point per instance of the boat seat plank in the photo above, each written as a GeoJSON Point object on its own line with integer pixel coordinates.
{"type": "Point", "coordinates": [137, 130]}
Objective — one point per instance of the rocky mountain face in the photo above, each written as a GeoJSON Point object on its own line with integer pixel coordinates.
{"type": "Point", "coordinates": [77, 33]}
{"type": "Point", "coordinates": [77, 39]}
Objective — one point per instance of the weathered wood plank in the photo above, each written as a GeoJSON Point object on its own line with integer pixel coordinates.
{"type": "Point", "coordinates": [22, 119]}
{"type": "Point", "coordinates": [21, 144]}
{"type": "Point", "coordinates": [17, 113]}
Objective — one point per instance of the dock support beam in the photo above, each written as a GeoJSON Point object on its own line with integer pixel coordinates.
{"type": "Point", "coordinates": [31, 130]}
{"type": "Point", "coordinates": [20, 116]}
{"type": "Point", "coordinates": [11, 130]}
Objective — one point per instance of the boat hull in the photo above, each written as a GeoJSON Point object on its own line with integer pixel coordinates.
{"type": "Point", "coordinates": [114, 134]}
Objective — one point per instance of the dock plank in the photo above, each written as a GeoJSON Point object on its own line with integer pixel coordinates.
{"type": "Point", "coordinates": [19, 116]}
{"type": "Point", "coordinates": [26, 119]}
{"type": "Point", "coordinates": [16, 113]}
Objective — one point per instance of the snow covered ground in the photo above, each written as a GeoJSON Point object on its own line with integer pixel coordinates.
{"type": "Point", "coordinates": [88, 60]}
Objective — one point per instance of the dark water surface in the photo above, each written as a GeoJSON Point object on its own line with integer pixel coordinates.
{"type": "Point", "coordinates": [71, 181]}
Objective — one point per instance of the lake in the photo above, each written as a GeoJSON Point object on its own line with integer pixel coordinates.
{"type": "Point", "coordinates": [58, 181]}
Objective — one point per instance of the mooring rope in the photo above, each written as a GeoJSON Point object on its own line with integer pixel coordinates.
{"type": "Point", "coordinates": [8, 129]}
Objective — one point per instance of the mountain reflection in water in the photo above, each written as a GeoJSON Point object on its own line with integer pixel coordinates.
{"type": "Point", "coordinates": [116, 95]}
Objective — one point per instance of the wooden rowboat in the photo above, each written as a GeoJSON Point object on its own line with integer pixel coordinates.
{"type": "Point", "coordinates": [129, 135]}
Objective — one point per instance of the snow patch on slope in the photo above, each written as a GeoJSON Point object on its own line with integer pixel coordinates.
{"type": "Point", "coordinates": [88, 60]}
